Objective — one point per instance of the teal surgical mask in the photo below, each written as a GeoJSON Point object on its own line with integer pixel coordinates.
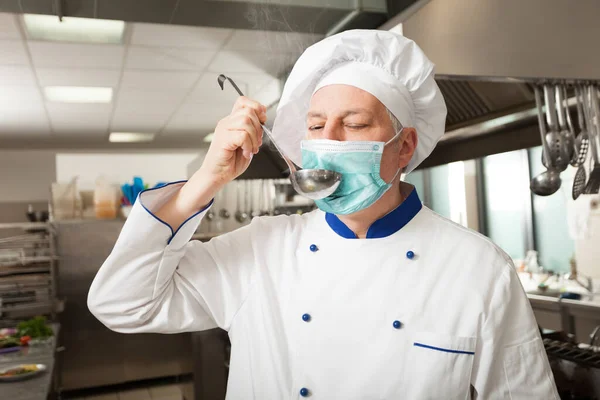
{"type": "Point", "coordinates": [359, 162]}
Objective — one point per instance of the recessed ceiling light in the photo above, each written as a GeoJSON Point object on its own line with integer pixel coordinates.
{"type": "Point", "coordinates": [78, 94]}
{"type": "Point", "coordinates": [130, 137]}
{"type": "Point", "coordinates": [208, 138]}
{"type": "Point", "coordinates": [71, 29]}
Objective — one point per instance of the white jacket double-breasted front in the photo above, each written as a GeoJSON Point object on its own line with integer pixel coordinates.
{"type": "Point", "coordinates": [423, 309]}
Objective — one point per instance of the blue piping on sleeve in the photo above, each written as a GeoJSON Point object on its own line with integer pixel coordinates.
{"type": "Point", "coordinates": [444, 350]}
{"type": "Point", "coordinates": [163, 222]}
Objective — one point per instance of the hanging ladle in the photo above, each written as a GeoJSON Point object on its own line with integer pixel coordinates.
{"type": "Point", "coordinates": [548, 182]}
{"type": "Point", "coordinates": [312, 183]}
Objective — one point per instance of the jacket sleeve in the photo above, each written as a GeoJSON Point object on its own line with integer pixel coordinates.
{"type": "Point", "coordinates": [156, 280]}
{"type": "Point", "coordinates": [511, 361]}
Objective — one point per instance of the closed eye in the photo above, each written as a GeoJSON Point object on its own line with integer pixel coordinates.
{"type": "Point", "coordinates": [315, 127]}
{"type": "Point", "coordinates": [356, 126]}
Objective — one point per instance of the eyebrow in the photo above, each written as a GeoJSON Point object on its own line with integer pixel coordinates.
{"type": "Point", "coordinates": [352, 111]}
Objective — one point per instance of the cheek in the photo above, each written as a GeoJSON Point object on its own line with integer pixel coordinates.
{"type": "Point", "coordinates": [389, 163]}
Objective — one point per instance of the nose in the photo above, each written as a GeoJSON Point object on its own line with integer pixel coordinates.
{"type": "Point", "coordinates": [332, 131]}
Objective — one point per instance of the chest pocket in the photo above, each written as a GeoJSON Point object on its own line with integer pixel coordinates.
{"type": "Point", "coordinates": [439, 366]}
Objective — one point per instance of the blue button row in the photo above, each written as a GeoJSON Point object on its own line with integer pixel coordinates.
{"type": "Point", "coordinates": [306, 318]}
{"type": "Point", "coordinates": [409, 254]}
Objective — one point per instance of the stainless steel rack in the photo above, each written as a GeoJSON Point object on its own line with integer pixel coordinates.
{"type": "Point", "coordinates": [28, 271]}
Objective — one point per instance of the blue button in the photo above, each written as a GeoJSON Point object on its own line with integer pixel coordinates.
{"type": "Point", "coordinates": [410, 254]}
{"type": "Point", "coordinates": [397, 324]}
{"type": "Point", "coordinates": [313, 248]}
{"type": "Point", "coordinates": [304, 392]}
{"type": "Point", "coordinates": [305, 317]}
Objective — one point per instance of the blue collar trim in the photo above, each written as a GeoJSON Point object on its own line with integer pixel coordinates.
{"type": "Point", "coordinates": [386, 225]}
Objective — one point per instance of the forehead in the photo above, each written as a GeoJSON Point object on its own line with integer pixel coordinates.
{"type": "Point", "coordinates": [336, 98]}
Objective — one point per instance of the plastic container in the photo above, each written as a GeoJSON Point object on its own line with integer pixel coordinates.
{"type": "Point", "coordinates": [106, 196]}
{"type": "Point", "coordinates": [66, 200]}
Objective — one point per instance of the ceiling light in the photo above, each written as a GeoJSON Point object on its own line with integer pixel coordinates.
{"type": "Point", "coordinates": [130, 137]}
{"type": "Point", "coordinates": [208, 138]}
{"type": "Point", "coordinates": [71, 29]}
{"type": "Point", "coordinates": [78, 94]}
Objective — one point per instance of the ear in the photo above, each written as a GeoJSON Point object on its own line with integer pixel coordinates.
{"type": "Point", "coordinates": [409, 145]}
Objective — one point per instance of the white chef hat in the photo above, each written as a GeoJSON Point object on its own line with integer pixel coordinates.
{"type": "Point", "coordinates": [389, 66]}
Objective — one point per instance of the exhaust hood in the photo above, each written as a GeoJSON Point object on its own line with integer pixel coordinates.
{"type": "Point", "coordinates": [487, 56]}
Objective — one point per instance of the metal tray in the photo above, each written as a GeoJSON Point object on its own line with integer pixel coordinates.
{"type": "Point", "coordinates": [41, 368]}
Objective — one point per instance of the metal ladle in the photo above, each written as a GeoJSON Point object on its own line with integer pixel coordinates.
{"type": "Point", "coordinates": [593, 183]}
{"type": "Point", "coordinates": [582, 143]}
{"type": "Point", "coordinates": [568, 135]}
{"type": "Point", "coordinates": [548, 182]}
{"type": "Point", "coordinates": [559, 157]}
{"type": "Point", "coordinates": [312, 183]}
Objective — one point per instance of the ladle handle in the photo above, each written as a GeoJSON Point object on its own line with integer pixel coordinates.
{"type": "Point", "coordinates": [567, 111]}
{"type": "Point", "coordinates": [542, 123]}
{"type": "Point", "coordinates": [221, 79]}
{"type": "Point", "coordinates": [587, 111]}
{"type": "Point", "coordinates": [580, 116]}
{"type": "Point", "coordinates": [551, 108]}
{"type": "Point", "coordinates": [593, 122]}
{"type": "Point", "coordinates": [560, 107]}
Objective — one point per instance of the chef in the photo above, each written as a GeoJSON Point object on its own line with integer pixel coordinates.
{"type": "Point", "coordinates": [373, 296]}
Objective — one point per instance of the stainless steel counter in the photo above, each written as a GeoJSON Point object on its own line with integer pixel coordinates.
{"type": "Point", "coordinates": [38, 387]}
{"type": "Point", "coordinates": [579, 317]}
{"type": "Point", "coordinates": [94, 355]}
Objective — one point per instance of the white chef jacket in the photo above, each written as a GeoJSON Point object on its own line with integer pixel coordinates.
{"type": "Point", "coordinates": [422, 309]}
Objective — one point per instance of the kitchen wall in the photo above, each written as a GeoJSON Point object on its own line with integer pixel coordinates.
{"type": "Point", "coordinates": [25, 178]}
{"type": "Point", "coordinates": [26, 175]}
{"type": "Point", "coordinates": [119, 168]}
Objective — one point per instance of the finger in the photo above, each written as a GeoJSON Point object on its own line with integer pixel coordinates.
{"type": "Point", "coordinates": [241, 140]}
{"type": "Point", "coordinates": [244, 121]}
{"type": "Point", "coordinates": [263, 116]}
{"type": "Point", "coordinates": [245, 102]}
{"type": "Point", "coordinates": [259, 129]}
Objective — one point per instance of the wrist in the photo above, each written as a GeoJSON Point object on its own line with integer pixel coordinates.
{"type": "Point", "coordinates": [197, 193]}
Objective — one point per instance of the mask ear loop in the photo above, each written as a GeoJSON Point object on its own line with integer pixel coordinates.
{"type": "Point", "coordinates": [396, 136]}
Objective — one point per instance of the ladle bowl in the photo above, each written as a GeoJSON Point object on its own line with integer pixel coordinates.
{"type": "Point", "coordinates": [546, 183]}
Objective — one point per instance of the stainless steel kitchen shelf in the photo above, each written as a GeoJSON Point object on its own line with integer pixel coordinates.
{"type": "Point", "coordinates": [22, 290]}
{"type": "Point", "coordinates": [12, 271]}
{"type": "Point", "coordinates": [35, 308]}
{"type": "Point", "coordinates": [25, 225]}
{"type": "Point", "coordinates": [38, 259]}
{"type": "Point", "coordinates": [28, 271]}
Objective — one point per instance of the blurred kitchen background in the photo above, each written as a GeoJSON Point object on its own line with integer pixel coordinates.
{"type": "Point", "coordinates": [100, 99]}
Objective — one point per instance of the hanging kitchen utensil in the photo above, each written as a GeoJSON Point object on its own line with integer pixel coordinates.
{"type": "Point", "coordinates": [558, 155]}
{"type": "Point", "coordinates": [223, 212]}
{"type": "Point", "coordinates": [576, 137]}
{"type": "Point", "coordinates": [548, 182]}
{"type": "Point", "coordinates": [593, 184]}
{"type": "Point", "coordinates": [312, 183]}
{"type": "Point", "coordinates": [255, 207]}
{"type": "Point", "coordinates": [246, 212]}
{"type": "Point", "coordinates": [582, 143]}
{"type": "Point", "coordinates": [238, 212]}
{"type": "Point", "coordinates": [271, 197]}
{"type": "Point", "coordinates": [263, 202]}
{"type": "Point", "coordinates": [565, 130]}
{"type": "Point", "coordinates": [210, 215]}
